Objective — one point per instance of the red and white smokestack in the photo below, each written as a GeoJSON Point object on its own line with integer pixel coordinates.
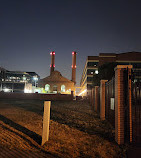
{"type": "Point", "coordinates": [74, 67]}
{"type": "Point", "coordinates": [52, 66]}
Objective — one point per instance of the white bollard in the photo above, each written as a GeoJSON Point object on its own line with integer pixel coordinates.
{"type": "Point", "coordinates": [46, 120]}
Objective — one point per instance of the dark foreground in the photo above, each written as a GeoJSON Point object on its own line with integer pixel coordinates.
{"type": "Point", "coordinates": [75, 131]}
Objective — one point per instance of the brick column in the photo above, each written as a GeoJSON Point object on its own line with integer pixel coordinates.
{"type": "Point", "coordinates": [119, 102]}
{"type": "Point", "coordinates": [96, 99]}
{"type": "Point", "coordinates": [102, 99]}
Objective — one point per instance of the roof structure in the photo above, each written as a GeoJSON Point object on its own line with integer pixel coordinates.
{"type": "Point", "coordinates": [55, 77]}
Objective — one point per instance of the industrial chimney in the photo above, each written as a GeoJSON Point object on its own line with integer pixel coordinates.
{"type": "Point", "coordinates": [52, 66]}
{"type": "Point", "coordinates": [74, 67]}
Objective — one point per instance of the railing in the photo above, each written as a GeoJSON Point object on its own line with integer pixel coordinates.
{"type": "Point", "coordinates": [136, 111]}
{"type": "Point", "coordinates": [109, 101]}
{"type": "Point", "coordinates": [98, 101]}
{"type": "Point", "coordinates": [120, 104]}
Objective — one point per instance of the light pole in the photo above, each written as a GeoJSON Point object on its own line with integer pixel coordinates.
{"type": "Point", "coordinates": [35, 78]}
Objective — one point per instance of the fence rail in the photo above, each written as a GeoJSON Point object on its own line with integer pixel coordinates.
{"type": "Point", "coordinates": [109, 101]}
{"type": "Point", "coordinates": [136, 111]}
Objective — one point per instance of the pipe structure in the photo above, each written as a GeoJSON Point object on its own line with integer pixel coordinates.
{"type": "Point", "coordinates": [74, 67]}
{"type": "Point", "coordinates": [52, 66]}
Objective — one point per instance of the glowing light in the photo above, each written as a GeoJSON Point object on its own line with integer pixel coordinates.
{"type": "Point", "coordinates": [50, 65]}
{"type": "Point", "coordinates": [73, 66]}
{"type": "Point", "coordinates": [6, 90]}
{"type": "Point", "coordinates": [35, 78]}
{"type": "Point", "coordinates": [37, 90]}
{"type": "Point", "coordinates": [53, 65]}
{"type": "Point", "coordinates": [82, 92]}
{"type": "Point", "coordinates": [63, 88]}
{"type": "Point", "coordinates": [74, 53]}
{"type": "Point", "coordinates": [52, 53]}
{"type": "Point", "coordinates": [24, 78]}
{"type": "Point", "coordinates": [96, 71]}
{"type": "Point", "coordinates": [27, 91]}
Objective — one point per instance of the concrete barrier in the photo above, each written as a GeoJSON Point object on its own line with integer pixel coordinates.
{"type": "Point", "coordinates": [34, 96]}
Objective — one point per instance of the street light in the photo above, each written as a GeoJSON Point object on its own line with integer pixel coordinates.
{"type": "Point", "coordinates": [35, 78]}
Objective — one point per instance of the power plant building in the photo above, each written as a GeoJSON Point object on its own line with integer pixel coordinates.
{"type": "Point", "coordinates": [56, 83]}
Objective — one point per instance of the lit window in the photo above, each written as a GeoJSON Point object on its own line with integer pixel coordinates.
{"type": "Point", "coordinates": [96, 71]}
{"type": "Point", "coordinates": [47, 87]}
{"type": "Point", "coordinates": [24, 78]}
{"type": "Point", "coordinates": [63, 88]}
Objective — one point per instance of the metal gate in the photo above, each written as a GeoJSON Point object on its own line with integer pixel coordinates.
{"type": "Point", "coordinates": [126, 105]}
{"type": "Point", "coordinates": [98, 107]}
{"type": "Point", "coordinates": [136, 111]}
{"type": "Point", "coordinates": [109, 96]}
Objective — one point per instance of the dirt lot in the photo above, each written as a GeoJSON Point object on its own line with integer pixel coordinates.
{"type": "Point", "coordinates": [75, 131]}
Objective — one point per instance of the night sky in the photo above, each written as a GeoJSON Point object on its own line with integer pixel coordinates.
{"type": "Point", "coordinates": [31, 29]}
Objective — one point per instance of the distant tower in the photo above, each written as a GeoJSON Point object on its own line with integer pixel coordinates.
{"type": "Point", "coordinates": [74, 67]}
{"type": "Point", "coordinates": [52, 66]}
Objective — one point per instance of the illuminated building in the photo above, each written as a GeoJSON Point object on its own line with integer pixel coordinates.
{"type": "Point", "coordinates": [17, 81]}
{"type": "Point", "coordinates": [34, 78]}
{"type": "Point", "coordinates": [93, 62]}
{"type": "Point", "coordinates": [56, 83]}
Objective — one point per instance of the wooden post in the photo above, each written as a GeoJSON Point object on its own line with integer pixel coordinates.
{"type": "Point", "coordinates": [46, 120]}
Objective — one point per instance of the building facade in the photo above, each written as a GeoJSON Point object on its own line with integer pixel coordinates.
{"type": "Point", "coordinates": [55, 82]}
{"type": "Point", "coordinates": [17, 81]}
{"type": "Point", "coordinates": [94, 62]}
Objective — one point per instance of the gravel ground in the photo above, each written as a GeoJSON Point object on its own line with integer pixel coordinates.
{"type": "Point", "coordinates": [75, 131]}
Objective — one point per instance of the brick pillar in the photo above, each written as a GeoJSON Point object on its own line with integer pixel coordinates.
{"type": "Point", "coordinates": [96, 99]}
{"type": "Point", "coordinates": [119, 103]}
{"type": "Point", "coordinates": [102, 99]}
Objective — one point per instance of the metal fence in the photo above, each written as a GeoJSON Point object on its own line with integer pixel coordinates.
{"type": "Point", "coordinates": [136, 111]}
{"type": "Point", "coordinates": [98, 101]}
{"type": "Point", "coordinates": [128, 80]}
{"type": "Point", "coordinates": [109, 101]}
